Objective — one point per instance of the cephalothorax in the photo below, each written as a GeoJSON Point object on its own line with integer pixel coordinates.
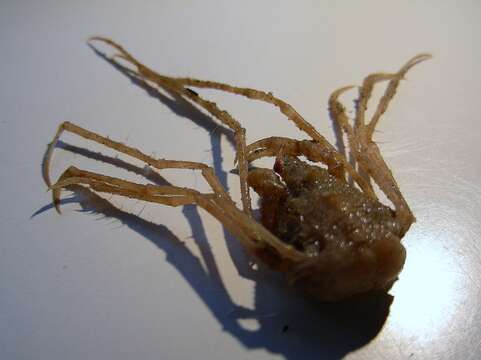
{"type": "Point", "coordinates": [332, 237]}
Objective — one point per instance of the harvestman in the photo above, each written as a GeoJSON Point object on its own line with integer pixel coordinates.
{"type": "Point", "coordinates": [332, 239]}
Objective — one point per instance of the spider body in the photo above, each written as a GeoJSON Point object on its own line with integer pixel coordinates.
{"type": "Point", "coordinates": [352, 241]}
{"type": "Point", "coordinates": [323, 226]}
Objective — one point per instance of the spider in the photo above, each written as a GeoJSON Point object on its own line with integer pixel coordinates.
{"type": "Point", "coordinates": [323, 226]}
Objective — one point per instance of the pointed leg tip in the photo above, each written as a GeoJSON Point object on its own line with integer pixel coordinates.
{"type": "Point", "coordinates": [57, 208]}
{"type": "Point", "coordinates": [95, 38]}
{"type": "Point", "coordinates": [47, 181]}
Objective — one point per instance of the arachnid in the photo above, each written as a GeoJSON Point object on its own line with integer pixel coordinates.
{"type": "Point", "coordinates": [331, 238]}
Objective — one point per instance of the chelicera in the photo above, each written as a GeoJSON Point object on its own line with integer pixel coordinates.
{"type": "Point", "coordinates": [323, 226]}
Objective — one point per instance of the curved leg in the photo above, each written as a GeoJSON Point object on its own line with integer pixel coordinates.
{"type": "Point", "coordinates": [180, 83]}
{"type": "Point", "coordinates": [177, 87]}
{"type": "Point", "coordinates": [362, 147]}
{"type": "Point", "coordinates": [207, 172]}
{"type": "Point", "coordinates": [391, 91]}
{"type": "Point", "coordinates": [166, 195]}
{"type": "Point", "coordinates": [254, 237]}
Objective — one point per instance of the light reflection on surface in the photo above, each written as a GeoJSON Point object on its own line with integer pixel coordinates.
{"type": "Point", "coordinates": [429, 293]}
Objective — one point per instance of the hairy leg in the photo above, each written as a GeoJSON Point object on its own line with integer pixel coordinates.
{"type": "Point", "coordinates": [252, 235]}
{"type": "Point", "coordinates": [166, 195]}
{"type": "Point", "coordinates": [364, 150]}
{"type": "Point", "coordinates": [178, 88]}
{"type": "Point", "coordinates": [180, 83]}
{"type": "Point", "coordinates": [206, 171]}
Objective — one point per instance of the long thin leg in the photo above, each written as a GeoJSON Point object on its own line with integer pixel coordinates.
{"type": "Point", "coordinates": [338, 112]}
{"type": "Point", "coordinates": [219, 203]}
{"type": "Point", "coordinates": [263, 96]}
{"type": "Point", "coordinates": [172, 85]}
{"type": "Point", "coordinates": [362, 147]}
{"type": "Point", "coordinates": [178, 85]}
{"type": "Point", "coordinates": [391, 91]}
{"type": "Point", "coordinates": [166, 195]}
{"type": "Point", "coordinates": [252, 235]}
{"type": "Point", "coordinates": [253, 94]}
{"type": "Point", "coordinates": [206, 171]}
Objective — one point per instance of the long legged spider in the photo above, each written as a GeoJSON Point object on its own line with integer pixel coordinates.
{"type": "Point", "coordinates": [331, 237]}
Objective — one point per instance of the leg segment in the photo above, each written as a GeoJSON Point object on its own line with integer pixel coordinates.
{"type": "Point", "coordinates": [252, 235]}
{"type": "Point", "coordinates": [166, 195]}
{"type": "Point", "coordinates": [363, 149]}
{"type": "Point", "coordinates": [171, 84]}
{"type": "Point", "coordinates": [253, 94]}
{"type": "Point", "coordinates": [391, 90]}
{"type": "Point", "coordinates": [206, 171]}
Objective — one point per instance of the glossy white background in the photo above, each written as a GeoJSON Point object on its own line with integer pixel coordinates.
{"type": "Point", "coordinates": [106, 285]}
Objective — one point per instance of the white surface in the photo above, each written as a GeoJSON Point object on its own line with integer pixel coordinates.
{"type": "Point", "coordinates": [72, 287]}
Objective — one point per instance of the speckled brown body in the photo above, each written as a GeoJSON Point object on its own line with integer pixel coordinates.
{"type": "Point", "coordinates": [352, 241]}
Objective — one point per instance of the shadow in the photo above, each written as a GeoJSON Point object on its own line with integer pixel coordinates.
{"type": "Point", "coordinates": [183, 108]}
{"type": "Point", "coordinates": [286, 323]}
{"type": "Point", "coordinates": [177, 104]}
